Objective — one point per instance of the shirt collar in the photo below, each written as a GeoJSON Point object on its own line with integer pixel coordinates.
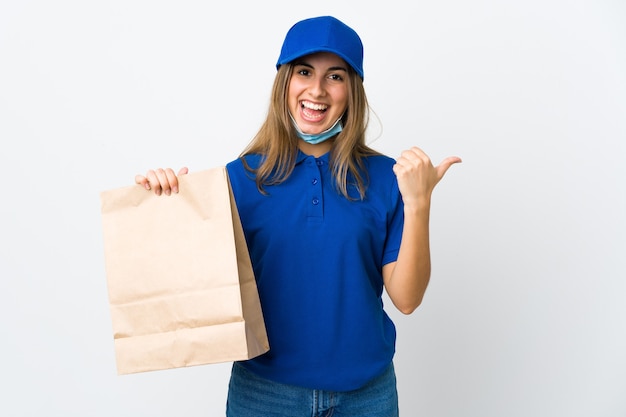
{"type": "Point", "coordinates": [302, 156]}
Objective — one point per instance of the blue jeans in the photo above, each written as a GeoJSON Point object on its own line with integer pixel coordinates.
{"type": "Point", "coordinates": [252, 396]}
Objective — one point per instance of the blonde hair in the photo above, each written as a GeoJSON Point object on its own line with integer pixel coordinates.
{"type": "Point", "coordinates": [277, 140]}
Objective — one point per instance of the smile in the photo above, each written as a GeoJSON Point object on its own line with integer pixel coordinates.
{"type": "Point", "coordinates": [313, 106]}
{"type": "Point", "coordinates": [313, 112]}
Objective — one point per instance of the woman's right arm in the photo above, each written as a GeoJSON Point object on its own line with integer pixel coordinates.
{"type": "Point", "coordinates": [161, 180]}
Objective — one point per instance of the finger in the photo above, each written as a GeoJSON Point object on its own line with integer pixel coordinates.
{"type": "Point", "coordinates": [183, 171]}
{"type": "Point", "coordinates": [172, 180]}
{"type": "Point", "coordinates": [154, 181]}
{"type": "Point", "coordinates": [162, 179]}
{"type": "Point", "coordinates": [411, 154]}
{"type": "Point", "coordinates": [418, 153]}
{"type": "Point", "coordinates": [416, 156]}
{"type": "Point", "coordinates": [443, 167]}
{"type": "Point", "coordinates": [143, 181]}
{"type": "Point", "coordinates": [158, 181]}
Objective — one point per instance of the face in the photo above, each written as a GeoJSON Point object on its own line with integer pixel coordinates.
{"type": "Point", "coordinates": [318, 91]}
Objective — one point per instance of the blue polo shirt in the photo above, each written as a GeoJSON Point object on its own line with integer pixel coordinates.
{"type": "Point", "coordinates": [317, 258]}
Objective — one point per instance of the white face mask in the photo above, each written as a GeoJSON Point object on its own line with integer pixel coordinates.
{"type": "Point", "coordinates": [318, 137]}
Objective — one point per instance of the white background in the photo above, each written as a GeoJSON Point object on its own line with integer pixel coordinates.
{"type": "Point", "coordinates": [526, 312]}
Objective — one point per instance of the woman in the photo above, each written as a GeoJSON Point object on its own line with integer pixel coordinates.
{"type": "Point", "coordinates": [329, 223]}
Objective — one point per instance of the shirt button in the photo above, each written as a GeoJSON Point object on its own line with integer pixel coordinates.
{"type": "Point", "coordinates": [319, 162]}
{"type": "Point", "coordinates": [315, 201]}
{"type": "Point", "coordinates": [314, 181]}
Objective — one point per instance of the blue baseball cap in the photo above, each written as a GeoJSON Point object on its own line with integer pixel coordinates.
{"type": "Point", "coordinates": [323, 34]}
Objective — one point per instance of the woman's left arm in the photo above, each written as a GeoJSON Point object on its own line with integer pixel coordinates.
{"type": "Point", "coordinates": [407, 278]}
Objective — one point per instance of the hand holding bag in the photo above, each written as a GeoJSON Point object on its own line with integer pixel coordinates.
{"type": "Point", "coordinates": [180, 282]}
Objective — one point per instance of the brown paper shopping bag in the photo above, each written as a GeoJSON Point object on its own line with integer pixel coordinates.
{"type": "Point", "coordinates": [181, 287]}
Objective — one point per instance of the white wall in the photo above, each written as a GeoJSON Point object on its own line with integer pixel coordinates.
{"type": "Point", "coordinates": [525, 315]}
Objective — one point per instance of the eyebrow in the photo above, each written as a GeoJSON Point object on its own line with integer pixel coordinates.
{"type": "Point", "coordinates": [305, 64]}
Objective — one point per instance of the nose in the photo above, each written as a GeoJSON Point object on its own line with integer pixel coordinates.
{"type": "Point", "coordinates": [317, 87]}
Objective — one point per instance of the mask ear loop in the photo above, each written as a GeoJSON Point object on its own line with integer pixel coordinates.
{"type": "Point", "coordinates": [371, 138]}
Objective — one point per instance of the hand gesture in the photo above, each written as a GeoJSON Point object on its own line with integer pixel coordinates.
{"type": "Point", "coordinates": [161, 180]}
{"type": "Point", "coordinates": [417, 177]}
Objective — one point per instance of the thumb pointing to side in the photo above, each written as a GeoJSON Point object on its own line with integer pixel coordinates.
{"type": "Point", "coordinates": [443, 167]}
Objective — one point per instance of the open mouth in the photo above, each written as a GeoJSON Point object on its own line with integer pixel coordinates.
{"type": "Point", "coordinates": [313, 111]}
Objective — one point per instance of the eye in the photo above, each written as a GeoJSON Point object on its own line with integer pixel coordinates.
{"type": "Point", "coordinates": [336, 77]}
{"type": "Point", "coordinates": [303, 71]}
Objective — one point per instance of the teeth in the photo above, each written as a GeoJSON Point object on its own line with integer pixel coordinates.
{"type": "Point", "coordinates": [314, 106]}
